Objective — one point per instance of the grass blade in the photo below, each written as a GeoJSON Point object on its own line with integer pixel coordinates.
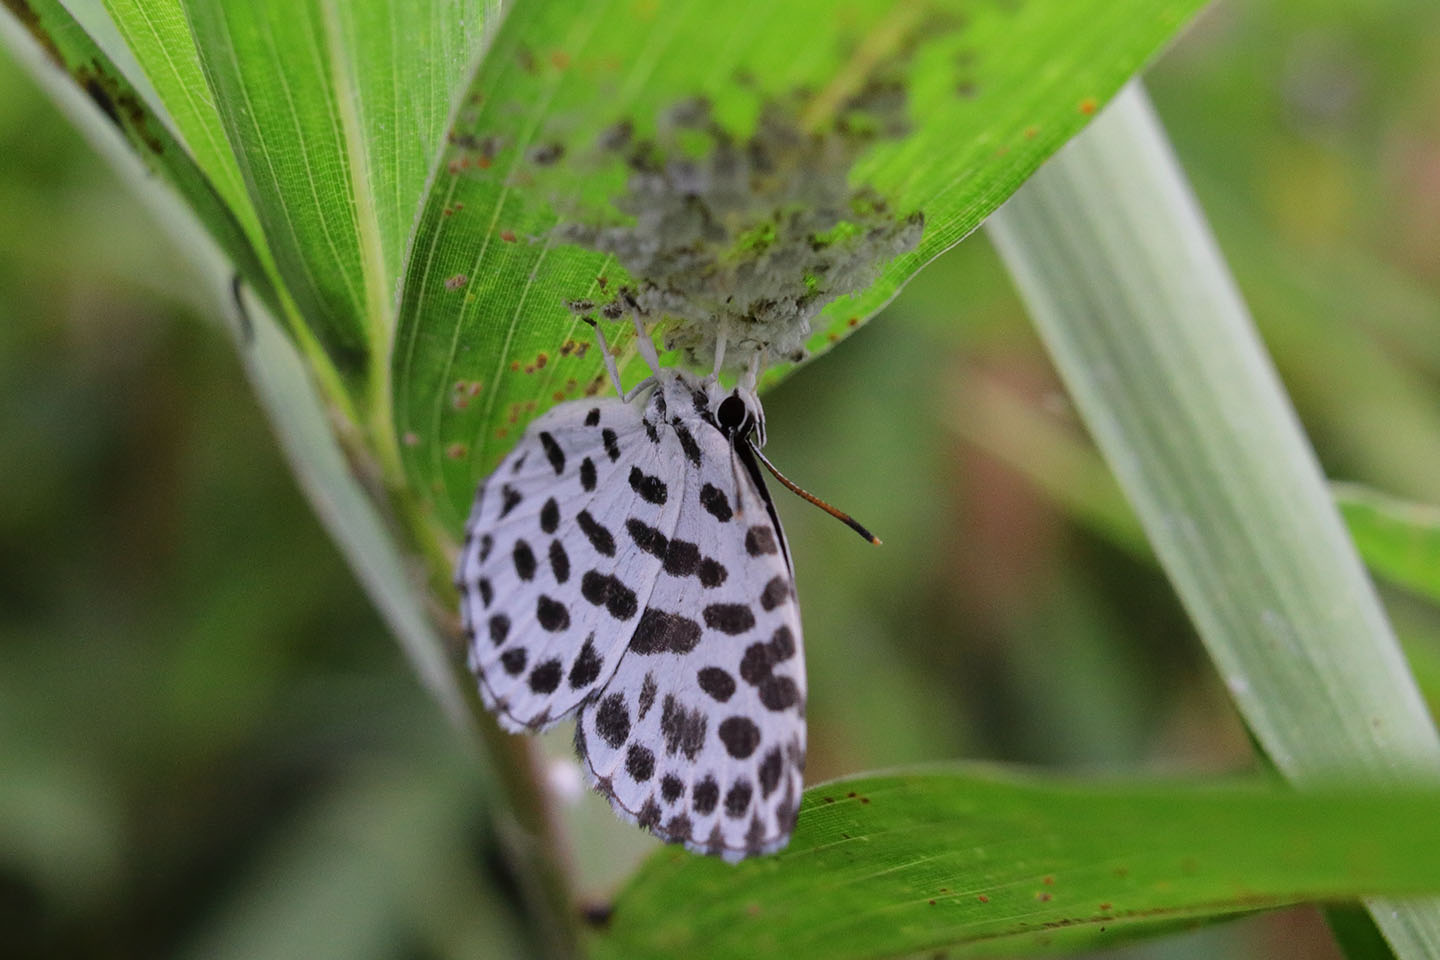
{"type": "Point", "coordinates": [1138, 310]}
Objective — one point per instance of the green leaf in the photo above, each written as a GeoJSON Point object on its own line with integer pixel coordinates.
{"type": "Point", "coordinates": [877, 112]}
{"type": "Point", "coordinates": [985, 863]}
{"type": "Point", "coordinates": [1135, 305]}
{"type": "Point", "coordinates": [334, 111]}
{"type": "Point", "coordinates": [1398, 539]}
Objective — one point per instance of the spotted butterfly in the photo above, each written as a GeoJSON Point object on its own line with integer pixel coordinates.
{"type": "Point", "coordinates": [625, 563]}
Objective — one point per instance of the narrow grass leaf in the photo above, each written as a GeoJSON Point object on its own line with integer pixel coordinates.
{"type": "Point", "coordinates": [334, 111]}
{"type": "Point", "coordinates": [1135, 304]}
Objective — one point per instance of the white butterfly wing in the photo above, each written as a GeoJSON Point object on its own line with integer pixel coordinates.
{"type": "Point", "coordinates": [700, 733]}
{"type": "Point", "coordinates": [551, 585]}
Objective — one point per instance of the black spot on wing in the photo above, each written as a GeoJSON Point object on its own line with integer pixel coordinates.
{"type": "Point", "coordinates": [776, 592]}
{"type": "Point", "coordinates": [600, 538]}
{"type": "Point", "coordinates": [550, 516]}
{"type": "Point", "coordinates": [608, 591]}
{"type": "Point", "coordinates": [682, 558]}
{"type": "Point", "coordinates": [716, 682]}
{"type": "Point", "coordinates": [524, 559]}
{"type": "Point", "coordinates": [737, 798]}
{"type": "Point", "coordinates": [713, 499]}
{"type": "Point", "coordinates": [661, 632]}
{"type": "Point", "coordinates": [731, 618]}
{"type": "Point", "coordinates": [587, 474]}
{"type": "Point", "coordinates": [705, 796]}
{"type": "Point", "coordinates": [782, 643]}
{"type": "Point", "coordinates": [678, 827]}
{"type": "Point", "coordinates": [712, 572]}
{"type": "Point", "coordinates": [756, 663]}
{"type": "Point", "coordinates": [649, 815]}
{"type": "Point", "coordinates": [778, 693]}
{"type": "Point", "coordinates": [650, 430]}
{"type": "Point", "coordinates": [646, 537]}
{"type": "Point", "coordinates": [509, 499]}
{"type": "Point", "coordinates": [648, 689]}
{"type": "Point", "coordinates": [546, 676]}
{"type": "Point", "coordinates": [552, 614]}
{"type": "Point", "coordinates": [593, 417]}
{"type": "Point", "coordinates": [639, 763]}
{"type": "Point", "coordinates": [612, 720]}
{"type": "Point", "coordinates": [559, 561]}
{"type": "Point", "coordinates": [672, 788]}
{"type": "Point", "coordinates": [770, 770]}
{"type": "Point", "coordinates": [499, 628]}
{"type": "Point", "coordinates": [487, 543]}
{"type": "Point", "coordinates": [612, 444]}
{"type": "Point", "coordinates": [586, 668]}
{"type": "Point", "coordinates": [688, 444]}
{"type": "Point", "coordinates": [650, 489]}
{"type": "Point", "coordinates": [683, 729]}
{"type": "Point", "coordinates": [513, 660]}
{"type": "Point", "coordinates": [740, 736]}
{"type": "Point", "coordinates": [553, 453]}
{"type": "Point", "coordinates": [487, 592]}
{"type": "Point", "coordinates": [760, 540]}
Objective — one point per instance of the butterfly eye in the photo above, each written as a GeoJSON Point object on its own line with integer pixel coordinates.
{"type": "Point", "coordinates": [732, 413]}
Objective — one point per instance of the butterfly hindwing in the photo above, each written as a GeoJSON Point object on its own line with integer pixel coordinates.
{"type": "Point", "coordinates": [699, 735]}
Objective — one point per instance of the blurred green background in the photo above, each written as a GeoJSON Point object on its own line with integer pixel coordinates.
{"type": "Point", "coordinates": [210, 747]}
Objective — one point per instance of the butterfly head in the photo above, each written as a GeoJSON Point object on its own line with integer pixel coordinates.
{"type": "Point", "coordinates": [737, 412]}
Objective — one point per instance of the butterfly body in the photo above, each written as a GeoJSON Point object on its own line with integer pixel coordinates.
{"type": "Point", "coordinates": [624, 564]}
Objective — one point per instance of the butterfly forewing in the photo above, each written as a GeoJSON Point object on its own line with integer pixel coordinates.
{"type": "Point", "coordinates": [551, 587]}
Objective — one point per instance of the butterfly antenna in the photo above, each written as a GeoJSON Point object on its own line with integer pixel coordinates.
{"type": "Point", "coordinates": [840, 515]}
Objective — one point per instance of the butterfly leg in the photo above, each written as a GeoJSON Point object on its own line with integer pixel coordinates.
{"type": "Point", "coordinates": [614, 370]}
{"type": "Point", "coordinates": [720, 342]}
{"type": "Point", "coordinates": [645, 345]}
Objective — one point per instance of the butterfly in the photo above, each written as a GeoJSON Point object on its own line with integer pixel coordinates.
{"type": "Point", "coordinates": [625, 564]}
